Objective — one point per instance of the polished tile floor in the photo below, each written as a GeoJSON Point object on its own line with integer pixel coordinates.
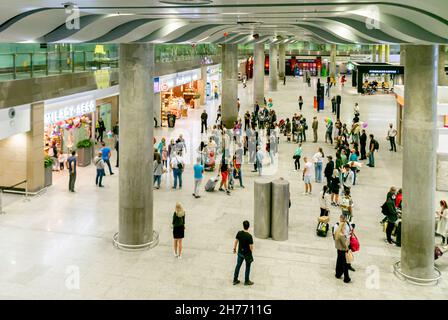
{"type": "Point", "coordinates": [59, 245]}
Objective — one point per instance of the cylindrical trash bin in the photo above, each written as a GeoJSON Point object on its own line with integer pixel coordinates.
{"type": "Point", "coordinates": [262, 208]}
{"type": "Point", "coordinates": [280, 209]}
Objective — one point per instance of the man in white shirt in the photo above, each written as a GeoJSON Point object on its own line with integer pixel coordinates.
{"type": "Point", "coordinates": [391, 134]}
{"type": "Point", "coordinates": [307, 174]}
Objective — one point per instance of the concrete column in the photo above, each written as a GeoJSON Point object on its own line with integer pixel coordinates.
{"type": "Point", "coordinates": [229, 110]}
{"type": "Point", "coordinates": [136, 141]}
{"type": "Point", "coordinates": [403, 55]}
{"type": "Point", "coordinates": [386, 60]}
{"type": "Point", "coordinates": [381, 52]}
{"type": "Point", "coordinates": [35, 172]}
{"type": "Point", "coordinates": [333, 54]}
{"type": "Point", "coordinates": [258, 79]}
{"type": "Point", "coordinates": [374, 53]}
{"type": "Point", "coordinates": [419, 161]}
{"type": "Point", "coordinates": [202, 85]}
{"type": "Point", "coordinates": [443, 80]}
{"type": "Point", "coordinates": [281, 61]}
{"type": "Point", "coordinates": [273, 69]}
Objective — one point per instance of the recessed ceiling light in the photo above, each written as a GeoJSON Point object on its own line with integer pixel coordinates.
{"type": "Point", "coordinates": [183, 2]}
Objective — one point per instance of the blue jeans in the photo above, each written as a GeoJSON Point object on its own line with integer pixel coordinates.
{"type": "Point", "coordinates": [99, 176]}
{"type": "Point", "coordinates": [157, 179]}
{"type": "Point", "coordinates": [239, 263]}
{"type": "Point", "coordinates": [318, 171]}
{"type": "Point", "coordinates": [371, 159]}
{"type": "Point", "coordinates": [177, 175]}
{"type": "Point", "coordinates": [354, 175]}
{"type": "Point", "coordinates": [240, 177]}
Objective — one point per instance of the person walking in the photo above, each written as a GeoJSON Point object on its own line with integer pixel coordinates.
{"type": "Point", "coordinates": [158, 171]}
{"type": "Point", "coordinates": [307, 174]}
{"type": "Point", "coordinates": [177, 165]}
{"type": "Point", "coordinates": [259, 160]}
{"type": "Point", "coordinates": [224, 171]}
{"type": "Point", "coordinates": [178, 226]}
{"type": "Point", "coordinates": [300, 103]}
{"type": "Point", "coordinates": [198, 169]}
{"type": "Point", "coordinates": [363, 143]}
{"type": "Point", "coordinates": [99, 164]}
{"type": "Point", "coordinates": [324, 202]}
{"type": "Point", "coordinates": [341, 240]}
{"type": "Point", "coordinates": [296, 157]}
{"type": "Point", "coordinates": [218, 114]}
{"type": "Point", "coordinates": [101, 129]}
{"type": "Point", "coordinates": [328, 171]}
{"type": "Point", "coordinates": [245, 244]}
{"type": "Point", "coordinates": [391, 134]}
{"type": "Point", "coordinates": [72, 164]}
{"type": "Point", "coordinates": [329, 132]}
{"type": "Point", "coordinates": [372, 147]}
{"type": "Point", "coordinates": [315, 125]}
{"type": "Point", "coordinates": [204, 117]}
{"type": "Point", "coordinates": [105, 150]}
{"type": "Point", "coordinates": [318, 159]}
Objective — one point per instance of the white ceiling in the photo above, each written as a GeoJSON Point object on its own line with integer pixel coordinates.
{"type": "Point", "coordinates": [329, 21]}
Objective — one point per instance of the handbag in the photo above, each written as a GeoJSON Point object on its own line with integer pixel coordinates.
{"type": "Point", "coordinates": [349, 258]}
{"type": "Point", "coordinates": [354, 242]}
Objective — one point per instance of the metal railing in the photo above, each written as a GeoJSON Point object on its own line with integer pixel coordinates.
{"type": "Point", "coordinates": [11, 188]}
{"type": "Point", "coordinates": [40, 64]}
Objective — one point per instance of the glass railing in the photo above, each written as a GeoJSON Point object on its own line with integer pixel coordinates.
{"type": "Point", "coordinates": [41, 64]}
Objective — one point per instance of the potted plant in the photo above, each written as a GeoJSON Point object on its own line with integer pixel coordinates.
{"type": "Point", "coordinates": [48, 165]}
{"type": "Point", "coordinates": [85, 151]}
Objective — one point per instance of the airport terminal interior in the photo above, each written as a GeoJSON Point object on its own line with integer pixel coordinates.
{"type": "Point", "coordinates": [137, 136]}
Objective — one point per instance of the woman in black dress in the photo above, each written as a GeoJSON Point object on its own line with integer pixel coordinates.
{"type": "Point", "coordinates": [178, 229]}
{"type": "Point", "coordinates": [334, 187]}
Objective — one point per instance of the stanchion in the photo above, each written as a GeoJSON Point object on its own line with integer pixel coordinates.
{"type": "Point", "coordinates": [26, 191]}
{"type": "Point", "coordinates": [1, 202]}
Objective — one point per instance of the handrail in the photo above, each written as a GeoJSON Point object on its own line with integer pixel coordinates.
{"type": "Point", "coordinates": [11, 188]}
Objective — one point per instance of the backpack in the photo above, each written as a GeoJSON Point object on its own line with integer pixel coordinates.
{"type": "Point", "coordinates": [377, 145]}
{"type": "Point", "coordinates": [384, 209]}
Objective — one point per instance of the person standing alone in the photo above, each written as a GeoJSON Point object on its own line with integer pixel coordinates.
{"type": "Point", "coordinates": [391, 134]}
{"type": "Point", "coordinates": [363, 142]}
{"type": "Point", "coordinates": [198, 176]}
{"type": "Point", "coordinates": [99, 164]}
{"type": "Point", "coordinates": [315, 125]}
{"type": "Point", "coordinates": [101, 128]}
{"type": "Point", "coordinates": [245, 244]}
{"type": "Point", "coordinates": [71, 162]}
{"type": "Point", "coordinates": [307, 176]}
{"type": "Point", "coordinates": [204, 117]}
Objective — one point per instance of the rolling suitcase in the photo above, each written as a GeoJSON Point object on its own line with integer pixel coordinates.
{"type": "Point", "coordinates": [211, 184]}
{"type": "Point", "coordinates": [323, 226]}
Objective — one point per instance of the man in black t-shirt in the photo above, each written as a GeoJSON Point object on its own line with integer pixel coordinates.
{"type": "Point", "coordinates": [245, 244]}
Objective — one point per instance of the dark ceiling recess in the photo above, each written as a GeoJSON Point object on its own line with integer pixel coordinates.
{"type": "Point", "coordinates": [184, 2]}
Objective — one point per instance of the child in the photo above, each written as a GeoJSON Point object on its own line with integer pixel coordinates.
{"type": "Point", "coordinates": [231, 178]}
{"type": "Point", "coordinates": [62, 158]}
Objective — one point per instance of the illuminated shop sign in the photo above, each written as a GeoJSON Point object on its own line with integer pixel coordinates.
{"type": "Point", "coordinates": [67, 112]}
{"type": "Point", "coordinates": [384, 71]}
{"type": "Point", "coordinates": [176, 79]}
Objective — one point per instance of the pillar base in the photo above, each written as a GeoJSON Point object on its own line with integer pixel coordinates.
{"type": "Point", "coordinates": [421, 282]}
{"type": "Point", "coordinates": [139, 247]}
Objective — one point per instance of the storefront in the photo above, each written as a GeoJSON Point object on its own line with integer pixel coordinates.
{"type": "Point", "coordinates": [213, 86]}
{"type": "Point", "coordinates": [300, 66]}
{"type": "Point", "coordinates": [365, 74]}
{"type": "Point", "coordinates": [176, 93]}
{"type": "Point", "coordinates": [71, 119]}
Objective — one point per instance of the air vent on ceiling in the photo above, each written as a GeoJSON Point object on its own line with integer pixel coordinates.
{"type": "Point", "coordinates": [186, 2]}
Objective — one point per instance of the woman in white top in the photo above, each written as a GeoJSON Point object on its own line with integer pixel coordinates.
{"type": "Point", "coordinates": [324, 201]}
{"type": "Point", "coordinates": [442, 222]}
{"type": "Point", "coordinates": [318, 159]}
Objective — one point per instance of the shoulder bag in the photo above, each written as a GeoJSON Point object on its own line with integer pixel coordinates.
{"type": "Point", "coordinates": [349, 258]}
